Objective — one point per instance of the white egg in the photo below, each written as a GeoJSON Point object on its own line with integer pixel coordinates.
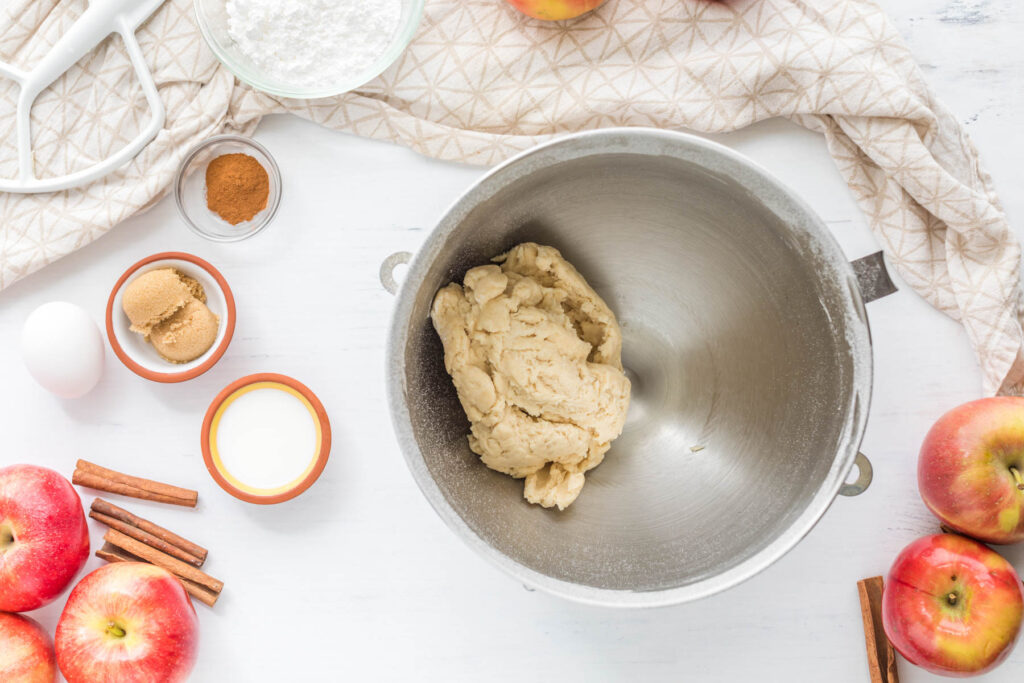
{"type": "Point", "coordinates": [63, 349]}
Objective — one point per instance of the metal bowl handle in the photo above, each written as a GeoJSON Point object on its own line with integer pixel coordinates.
{"type": "Point", "coordinates": [872, 277]}
{"type": "Point", "coordinates": [864, 476]}
{"type": "Point", "coordinates": [387, 270]}
{"type": "Point", "coordinates": [874, 282]}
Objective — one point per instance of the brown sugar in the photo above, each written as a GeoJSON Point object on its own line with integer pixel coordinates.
{"type": "Point", "coordinates": [237, 187]}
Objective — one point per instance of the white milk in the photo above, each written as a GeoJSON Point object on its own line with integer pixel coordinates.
{"type": "Point", "coordinates": [266, 438]}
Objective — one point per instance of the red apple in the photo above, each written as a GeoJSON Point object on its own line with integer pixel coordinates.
{"type": "Point", "coordinates": [44, 539]}
{"type": "Point", "coordinates": [127, 621]}
{"type": "Point", "coordinates": [952, 605]}
{"type": "Point", "coordinates": [26, 655]}
{"type": "Point", "coordinates": [971, 469]}
{"type": "Point", "coordinates": [555, 10]}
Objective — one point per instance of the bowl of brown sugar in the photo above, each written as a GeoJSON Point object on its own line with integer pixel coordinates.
{"type": "Point", "coordinates": [228, 188]}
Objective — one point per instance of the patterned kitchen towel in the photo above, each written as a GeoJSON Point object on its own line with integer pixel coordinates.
{"type": "Point", "coordinates": [481, 81]}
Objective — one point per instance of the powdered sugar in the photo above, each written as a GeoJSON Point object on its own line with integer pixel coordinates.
{"type": "Point", "coordinates": [313, 43]}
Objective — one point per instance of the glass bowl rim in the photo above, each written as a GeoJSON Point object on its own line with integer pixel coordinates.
{"type": "Point", "coordinates": [387, 58]}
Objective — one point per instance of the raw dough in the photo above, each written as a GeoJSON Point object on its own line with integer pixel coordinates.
{"type": "Point", "coordinates": [535, 355]}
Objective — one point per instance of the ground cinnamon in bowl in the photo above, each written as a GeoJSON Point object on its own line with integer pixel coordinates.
{"type": "Point", "coordinates": [237, 187]}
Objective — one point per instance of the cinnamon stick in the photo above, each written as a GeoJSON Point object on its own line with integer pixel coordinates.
{"type": "Point", "coordinates": [162, 559]}
{"type": "Point", "coordinates": [103, 479]}
{"type": "Point", "coordinates": [147, 538]}
{"type": "Point", "coordinates": [107, 508]}
{"type": "Point", "coordinates": [100, 484]}
{"type": "Point", "coordinates": [881, 657]}
{"type": "Point", "coordinates": [200, 593]}
{"type": "Point", "coordinates": [112, 553]}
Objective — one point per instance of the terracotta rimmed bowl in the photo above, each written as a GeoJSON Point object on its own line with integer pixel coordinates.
{"type": "Point", "coordinates": [136, 353]}
{"type": "Point", "coordinates": [224, 466]}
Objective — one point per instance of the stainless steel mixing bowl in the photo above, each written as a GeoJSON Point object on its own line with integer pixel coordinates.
{"type": "Point", "coordinates": [745, 337]}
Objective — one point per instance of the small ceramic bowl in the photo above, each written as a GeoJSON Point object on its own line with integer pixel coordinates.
{"type": "Point", "coordinates": [136, 353]}
{"type": "Point", "coordinates": [190, 189]}
{"type": "Point", "coordinates": [266, 438]}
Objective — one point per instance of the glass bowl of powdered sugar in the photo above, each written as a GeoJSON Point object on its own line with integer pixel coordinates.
{"type": "Point", "coordinates": [308, 48]}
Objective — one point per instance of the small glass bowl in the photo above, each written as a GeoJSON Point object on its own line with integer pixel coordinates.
{"type": "Point", "coordinates": [212, 17]}
{"type": "Point", "coordinates": [190, 189]}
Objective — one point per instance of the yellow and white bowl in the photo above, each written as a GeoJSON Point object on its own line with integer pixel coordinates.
{"type": "Point", "coordinates": [266, 438]}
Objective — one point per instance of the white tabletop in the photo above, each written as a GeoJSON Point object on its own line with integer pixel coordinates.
{"type": "Point", "coordinates": [358, 577]}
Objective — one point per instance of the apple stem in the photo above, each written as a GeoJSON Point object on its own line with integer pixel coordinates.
{"type": "Point", "coordinates": [1016, 475]}
{"type": "Point", "coordinates": [952, 598]}
{"type": "Point", "coordinates": [115, 630]}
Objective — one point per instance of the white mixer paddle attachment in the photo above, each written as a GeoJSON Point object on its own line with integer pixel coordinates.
{"type": "Point", "coordinates": [101, 19]}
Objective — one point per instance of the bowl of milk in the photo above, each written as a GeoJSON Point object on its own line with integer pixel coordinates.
{"type": "Point", "coordinates": [266, 438]}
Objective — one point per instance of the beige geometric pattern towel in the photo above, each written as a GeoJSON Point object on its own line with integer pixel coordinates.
{"type": "Point", "coordinates": [480, 82]}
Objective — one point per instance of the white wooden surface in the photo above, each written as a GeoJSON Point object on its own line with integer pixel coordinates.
{"type": "Point", "coordinates": [358, 579]}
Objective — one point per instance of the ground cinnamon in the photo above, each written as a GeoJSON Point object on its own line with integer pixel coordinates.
{"type": "Point", "coordinates": [237, 187]}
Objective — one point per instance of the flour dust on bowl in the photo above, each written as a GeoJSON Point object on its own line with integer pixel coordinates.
{"type": "Point", "coordinates": [744, 335]}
